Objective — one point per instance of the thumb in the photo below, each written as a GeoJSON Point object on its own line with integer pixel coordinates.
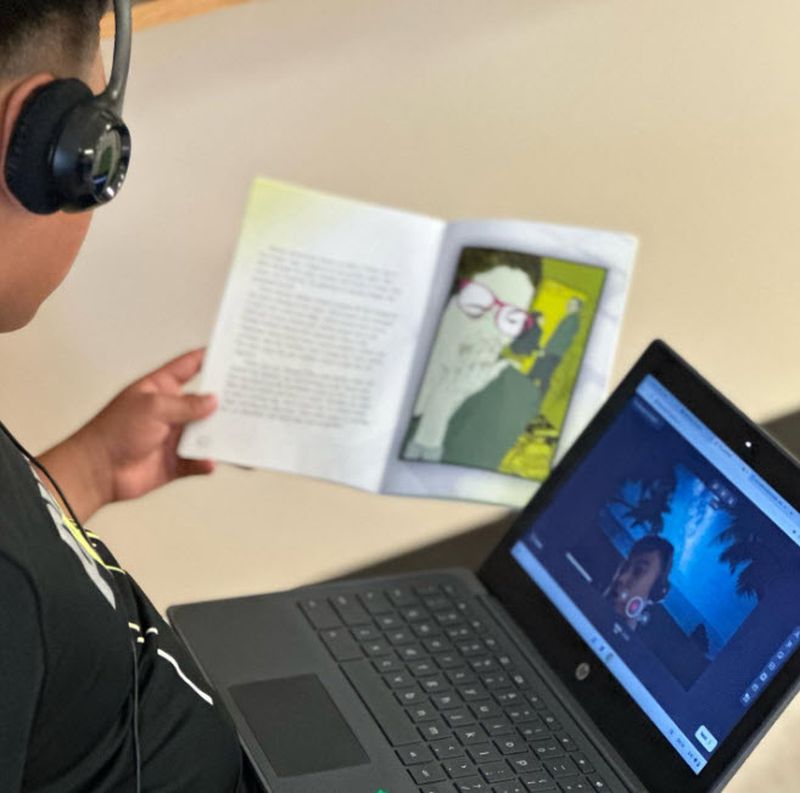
{"type": "Point", "coordinates": [182, 408]}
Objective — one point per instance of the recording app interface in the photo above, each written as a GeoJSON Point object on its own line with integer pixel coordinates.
{"type": "Point", "coordinates": [678, 565]}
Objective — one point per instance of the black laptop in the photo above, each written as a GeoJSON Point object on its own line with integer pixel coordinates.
{"type": "Point", "coordinates": [636, 630]}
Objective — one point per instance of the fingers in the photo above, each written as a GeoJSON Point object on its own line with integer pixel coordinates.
{"type": "Point", "coordinates": [179, 370]}
{"type": "Point", "coordinates": [193, 467]}
{"type": "Point", "coordinates": [182, 408]}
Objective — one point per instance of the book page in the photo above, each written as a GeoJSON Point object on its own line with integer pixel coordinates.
{"type": "Point", "coordinates": [315, 338]}
{"type": "Point", "coordinates": [519, 358]}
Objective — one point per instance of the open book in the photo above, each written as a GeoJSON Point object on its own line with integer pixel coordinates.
{"type": "Point", "coordinates": [400, 353]}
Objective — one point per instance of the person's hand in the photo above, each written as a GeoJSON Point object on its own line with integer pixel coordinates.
{"type": "Point", "coordinates": [130, 447]}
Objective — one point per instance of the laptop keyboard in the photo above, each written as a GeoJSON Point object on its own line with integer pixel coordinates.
{"type": "Point", "coordinates": [461, 715]}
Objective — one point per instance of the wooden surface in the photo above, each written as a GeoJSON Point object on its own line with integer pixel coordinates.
{"type": "Point", "coordinates": [147, 13]}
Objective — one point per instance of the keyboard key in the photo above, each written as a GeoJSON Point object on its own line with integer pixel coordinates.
{"type": "Point", "coordinates": [350, 610]}
{"type": "Point", "coordinates": [375, 602]}
{"type": "Point", "coordinates": [388, 663]}
{"type": "Point", "coordinates": [471, 784]}
{"type": "Point", "coordinates": [550, 720]}
{"type": "Point", "coordinates": [485, 710]}
{"type": "Point", "coordinates": [470, 735]}
{"type": "Point", "coordinates": [414, 614]}
{"type": "Point", "coordinates": [505, 698]}
{"type": "Point", "coordinates": [425, 630]}
{"type": "Point", "coordinates": [561, 768]}
{"type": "Point", "coordinates": [497, 727]}
{"type": "Point", "coordinates": [566, 742]}
{"type": "Point", "coordinates": [415, 755]}
{"type": "Point", "coordinates": [483, 664]}
{"type": "Point", "coordinates": [342, 646]}
{"type": "Point", "coordinates": [533, 731]}
{"type": "Point", "coordinates": [534, 783]}
{"type": "Point", "coordinates": [447, 700]}
{"type": "Point", "coordinates": [511, 745]}
{"type": "Point", "coordinates": [460, 677]}
{"type": "Point", "coordinates": [448, 660]}
{"type": "Point", "coordinates": [444, 787]}
{"type": "Point", "coordinates": [402, 596]}
{"type": "Point", "coordinates": [447, 749]}
{"type": "Point", "coordinates": [521, 714]}
{"type": "Point", "coordinates": [468, 649]}
{"type": "Point", "coordinates": [495, 681]}
{"type": "Point", "coordinates": [379, 701]}
{"type": "Point", "coordinates": [509, 787]}
{"type": "Point", "coordinates": [458, 632]}
{"type": "Point", "coordinates": [496, 772]}
{"type": "Point", "coordinates": [423, 668]}
{"type": "Point", "coordinates": [459, 768]}
{"type": "Point", "coordinates": [520, 680]}
{"type": "Point", "coordinates": [473, 693]}
{"type": "Point", "coordinates": [397, 680]}
{"type": "Point", "coordinates": [575, 786]}
{"type": "Point", "coordinates": [434, 684]}
{"type": "Point", "coordinates": [411, 652]}
{"type": "Point", "coordinates": [431, 772]}
{"type": "Point", "coordinates": [365, 633]}
{"type": "Point", "coordinates": [582, 761]}
{"type": "Point", "coordinates": [434, 730]}
{"type": "Point", "coordinates": [408, 697]}
{"type": "Point", "coordinates": [438, 644]}
{"type": "Point", "coordinates": [547, 748]}
{"type": "Point", "coordinates": [598, 783]}
{"type": "Point", "coordinates": [524, 763]}
{"type": "Point", "coordinates": [536, 700]}
{"type": "Point", "coordinates": [428, 590]}
{"type": "Point", "coordinates": [320, 614]}
{"type": "Point", "coordinates": [437, 603]}
{"type": "Point", "coordinates": [401, 636]}
{"type": "Point", "coordinates": [459, 717]}
{"type": "Point", "coordinates": [422, 713]}
{"type": "Point", "coordinates": [446, 618]}
{"type": "Point", "coordinates": [483, 753]}
{"type": "Point", "coordinates": [389, 622]}
{"type": "Point", "coordinates": [377, 648]}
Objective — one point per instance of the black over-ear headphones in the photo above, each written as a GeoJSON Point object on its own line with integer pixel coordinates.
{"type": "Point", "coordinates": [70, 149]}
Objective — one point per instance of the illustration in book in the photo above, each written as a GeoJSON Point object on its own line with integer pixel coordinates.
{"type": "Point", "coordinates": [504, 364]}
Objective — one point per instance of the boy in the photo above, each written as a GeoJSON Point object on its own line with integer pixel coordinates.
{"type": "Point", "coordinates": [97, 694]}
{"type": "Point", "coordinates": [642, 579]}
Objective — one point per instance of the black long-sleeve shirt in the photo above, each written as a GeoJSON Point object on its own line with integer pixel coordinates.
{"type": "Point", "coordinates": [70, 622]}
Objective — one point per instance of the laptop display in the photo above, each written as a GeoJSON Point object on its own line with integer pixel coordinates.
{"type": "Point", "coordinates": [677, 564]}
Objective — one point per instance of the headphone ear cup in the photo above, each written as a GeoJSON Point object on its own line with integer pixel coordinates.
{"type": "Point", "coordinates": [29, 161]}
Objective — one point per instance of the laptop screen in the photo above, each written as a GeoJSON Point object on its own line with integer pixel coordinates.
{"type": "Point", "coordinates": [677, 564]}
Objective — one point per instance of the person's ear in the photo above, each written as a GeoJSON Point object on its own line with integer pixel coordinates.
{"type": "Point", "coordinates": [11, 111]}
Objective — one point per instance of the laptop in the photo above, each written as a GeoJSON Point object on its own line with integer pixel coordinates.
{"type": "Point", "coordinates": [635, 630]}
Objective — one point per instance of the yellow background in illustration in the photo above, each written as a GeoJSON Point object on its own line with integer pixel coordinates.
{"type": "Point", "coordinates": [532, 454]}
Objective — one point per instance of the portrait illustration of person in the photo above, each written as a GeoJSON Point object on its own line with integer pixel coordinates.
{"type": "Point", "coordinates": [488, 310]}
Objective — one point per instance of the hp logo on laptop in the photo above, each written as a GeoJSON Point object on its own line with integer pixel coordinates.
{"type": "Point", "coordinates": [582, 671]}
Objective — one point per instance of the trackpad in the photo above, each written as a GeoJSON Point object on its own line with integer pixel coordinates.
{"type": "Point", "coordinates": [298, 725]}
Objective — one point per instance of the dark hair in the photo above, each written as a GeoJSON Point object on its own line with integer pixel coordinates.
{"type": "Point", "coordinates": [651, 543]}
{"type": "Point", "coordinates": [76, 21]}
{"type": "Point", "coordinates": [480, 260]}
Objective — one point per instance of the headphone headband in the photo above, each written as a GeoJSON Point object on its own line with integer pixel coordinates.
{"type": "Point", "coordinates": [70, 149]}
{"type": "Point", "coordinates": [114, 94]}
